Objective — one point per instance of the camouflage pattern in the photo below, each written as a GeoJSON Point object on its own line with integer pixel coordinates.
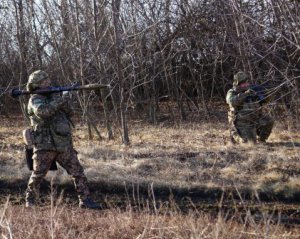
{"type": "Point", "coordinates": [35, 79]}
{"type": "Point", "coordinates": [239, 77]}
{"type": "Point", "coordinates": [247, 124]}
{"type": "Point", "coordinates": [264, 128]}
{"type": "Point", "coordinates": [49, 116]}
{"type": "Point", "coordinates": [42, 161]}
{"type": "Point", "coordinates": [52, 138]}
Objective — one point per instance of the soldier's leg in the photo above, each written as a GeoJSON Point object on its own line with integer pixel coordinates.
{"type": "Point", "coordinates": [247, 134]}
{"type": "Point", "coordinates": [235, 136]}
{"type": "Point", "coordinates": [42, 161]}
{"type": "Point", "coordinates": [265, 127]}
{"type": "Point", "coordinates": [246, 130]}
{"type": "Point", "coordinates": [69, 161]}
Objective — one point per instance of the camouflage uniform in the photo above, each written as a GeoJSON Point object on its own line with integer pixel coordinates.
{"type": "Point", "coordinates": [247, 124]}
{"type": "Point", "coordinates": [49, 115]}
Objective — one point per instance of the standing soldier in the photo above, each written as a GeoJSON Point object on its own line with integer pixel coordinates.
{"type": "Point", "coordinates": [247, 124]}
{"type": "Point", "coordinates": [52, 140]}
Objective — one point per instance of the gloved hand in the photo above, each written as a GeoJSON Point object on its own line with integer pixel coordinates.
{"type": "Point", "coordinates": [67, 95]}
{"type": "Point", "coordinates": [250, 92]}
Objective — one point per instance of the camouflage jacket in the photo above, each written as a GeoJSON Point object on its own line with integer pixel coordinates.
{"type": "Point", "coordinates": [242, 107]}
{"type": "Point", "coordinates": [49, 117]}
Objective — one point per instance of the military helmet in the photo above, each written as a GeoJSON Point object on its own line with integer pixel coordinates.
{"type": "Point", "coordinates": [35, 79]}
{"type": "Point", "coordinates": [239, 77]}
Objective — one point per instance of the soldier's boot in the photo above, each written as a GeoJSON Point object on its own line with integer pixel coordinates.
{"type": "Point", "coordinates": [89, 203]}
{"type": "Point", "coordinates": [263, 136]}
{"type": "Point", "coordinates": [29, 203]}
{"type": "Point", "coordinates": [29, 198]}
{"type": "Point", "coordinates": [234, 137]}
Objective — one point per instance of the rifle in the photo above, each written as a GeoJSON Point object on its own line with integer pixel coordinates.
{"type": "Point", "coordinates": [260, 92]}
{"type": "Point", "coordinates": [75, 87]}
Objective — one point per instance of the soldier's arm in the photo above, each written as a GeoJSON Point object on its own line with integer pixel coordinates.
{"type": "Point", "coordinates": [42, 109]}
{"type": "Point", "coordinates": [235, 99]}
{"type": "Point", "coordinates": [68, 107]}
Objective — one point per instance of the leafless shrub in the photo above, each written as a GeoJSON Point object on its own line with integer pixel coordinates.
{"type": "Point", "coordinates": [182, 52]}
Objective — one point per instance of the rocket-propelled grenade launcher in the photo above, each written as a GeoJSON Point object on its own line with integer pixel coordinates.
{"type": "Point", "coordinates": [55, 89]}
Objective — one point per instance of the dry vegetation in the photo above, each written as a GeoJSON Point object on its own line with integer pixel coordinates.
{"type": "Point", "coordinates": [113, 223]}
{"type": "Point", "coordinates": [167, 170]}
{"type": "Point", "coordinates": [175, 180]}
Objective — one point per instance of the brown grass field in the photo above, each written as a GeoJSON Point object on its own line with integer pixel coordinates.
{"type": "Point", "coordinates": [175, 180]}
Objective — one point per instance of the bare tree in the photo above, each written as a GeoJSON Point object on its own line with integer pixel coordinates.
{"type": "Point", "coordinates": [118, 45]}
{"type": "Point", "coordinates": [182, 52]}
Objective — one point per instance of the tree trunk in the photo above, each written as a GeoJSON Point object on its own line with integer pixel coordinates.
{"type": "Point", "coordinates": [105, 93]}
{"type": "Point", "coordinates": [116, 4]}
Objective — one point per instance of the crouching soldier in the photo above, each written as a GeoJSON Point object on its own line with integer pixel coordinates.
{"type": "Point", "coordinates": [247, 123]}
{"type": "Point", "coordinates": [52, 140]}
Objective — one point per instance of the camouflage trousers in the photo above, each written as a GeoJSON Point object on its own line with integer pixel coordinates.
{"type": "Point", "coordinates": [251, 131]}
{"type": "Point", "coordinates": [42, 161]}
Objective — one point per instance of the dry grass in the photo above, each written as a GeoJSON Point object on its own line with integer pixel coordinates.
{"type": "Point", "coordinates": [63, 221]}
{"type": "Point", "coordinates": [194, 155]}
{"type": "Point", "coordinates": [179, 157]}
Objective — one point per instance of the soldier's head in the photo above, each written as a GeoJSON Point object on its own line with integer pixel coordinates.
{"type": "Point", "coordinates": [240, 77]}
{"type": "Point", "coordinates": [38, 79]}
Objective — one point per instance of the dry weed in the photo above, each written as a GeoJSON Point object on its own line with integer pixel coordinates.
{"type": "Point", "coordinates": [168, 157]}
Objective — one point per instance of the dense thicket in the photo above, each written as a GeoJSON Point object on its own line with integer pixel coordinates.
{"type": "Point", "coordinates": [179, 50]}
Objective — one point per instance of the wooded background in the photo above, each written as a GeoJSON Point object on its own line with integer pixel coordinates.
{"type": "Point", "coordinates": [181, 51]}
